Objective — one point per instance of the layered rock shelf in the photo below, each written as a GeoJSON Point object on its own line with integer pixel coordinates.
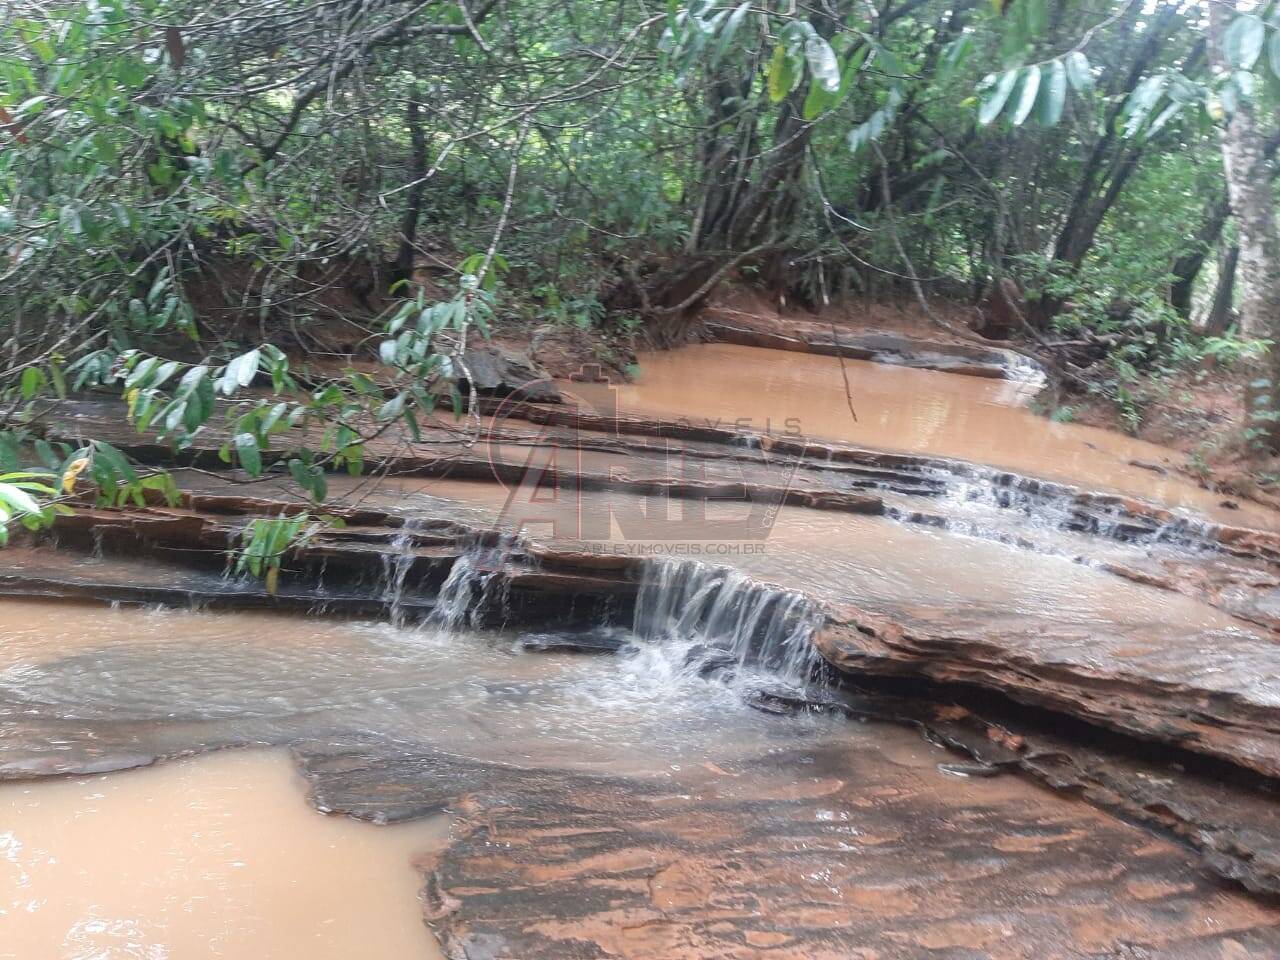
{"type": "Point", "coordinates": [1171, 724]}
{"type": "Point", "coordinates": [973, 360]}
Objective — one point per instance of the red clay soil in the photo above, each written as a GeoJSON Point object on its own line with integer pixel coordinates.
{"type": "Point", "coordinates": [1201, 416]}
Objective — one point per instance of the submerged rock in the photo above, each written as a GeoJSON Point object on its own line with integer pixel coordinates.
{"type": "Point", "coordinates": [593, 640]}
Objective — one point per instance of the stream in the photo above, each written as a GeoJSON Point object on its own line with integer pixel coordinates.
{"type": "Point", "coordinates": [920, 411]}
{"type": "Point", "coordinates": [661, 768]}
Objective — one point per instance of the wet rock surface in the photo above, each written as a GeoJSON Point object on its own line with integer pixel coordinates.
{"type": "Point", "coordinates": [1231, 818]}
{"type": "Point", "coordinates": [1202, 692]}
{"type": "Point", "coordinates": [972, 360]}
{"type": "Point", "coordinates": [592, 640]}
{"type": "Point", "coordinates": [836, 850]}
{"type": "Point", "coordinates": [875, 842]}
{"type": "Point", "coordinates": [1234, 568]}
{"type": "Point", "coordinates": [503, 372]}
{"type": "Point", "coordinates": [1205, 691]}
{"type": "Point", "coordinates": [828, 853]}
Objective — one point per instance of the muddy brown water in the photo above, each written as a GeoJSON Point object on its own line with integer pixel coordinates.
{"type": "Point", "coordinates": [840, 557]}
{"type": "Point", "coordinates": [220, 855]}
{"type": "Point", "coordinates": [216, 856]}
{"type": "Point", "coordinates": [902, 409]}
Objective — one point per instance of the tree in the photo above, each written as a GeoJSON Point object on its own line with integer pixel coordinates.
{"type": "Point", "coordinates": [1236, 43]}
{"type": "Point", "coordinates": [196, 197]}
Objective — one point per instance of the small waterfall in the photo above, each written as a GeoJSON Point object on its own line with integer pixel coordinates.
{"type": "Point", "coordinates": [975, 498]}
{"type": "Point", "coordinates": [722, 618]}
{"type": "Point", "coordinates": [396, 565]}
{"type": "Point", "coordinates": [473, 584]}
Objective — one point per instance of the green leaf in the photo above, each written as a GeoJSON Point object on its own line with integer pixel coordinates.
{"type": "Point", "coordinates": [817, 100]}
{"type": "Point", "coordinates": [1053, 95]}
{"type": "Point", "coordinates": [1273, 52]}
{"type": "Point", "coordinates": [114, 461]}
{"type": "Point", "coordinates": [783, 74]}
{"type": "Point", "coordinates": [309, 478]}
{"type": "Point", "coordinates": [1242, 41]}
{"type": "Point", "coordinates": [877, 123]}
{"type": "Point", "coordinates": [1079, 73]}
{"type": "Point", "coordinates": [853, 66]}
{"type": "Point", "coordinates": [823, 63]}
{"type": "Point", "coordinates": [1027, 94]}
{"type": "Point", "coordinates": [1142, 101]}
{"type": "Point", "coordinates": [953, 57]}
{"type": "Point", "coordinates": [1169, 112]}
{"type": "Point", "coordinates": [392, 408]}
{"type": "Point", "coordinates": [140, 376]}
{"type": "Point", "coordinates": [1035, 17]}
{"type": "Point", "coordinates": [999, 97]}
{"type": "Point", "coordinates": [729, 31]}
{"type": "Point", "coordinates": [246, 445]}
{"type": "Point", "coordinates": [240, 372]}
{"type": "Point", "coordinates": [32, 381]}
{"type": "Point", "coordinates": [69, 217]}
{"type": "Point", "coordinates": [17, 499]}
{"type": "Point", "coordinates": [30, 107]}
{"type": "Point", "coordinates": [273, 417]}
{"type": "Point", "coordinates": [50, 459]}
{"type": "Point", "coordinates": [165, 372]}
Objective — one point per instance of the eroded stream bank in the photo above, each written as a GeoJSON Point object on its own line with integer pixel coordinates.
{"type": "Point", "coordinates": [703, 787]}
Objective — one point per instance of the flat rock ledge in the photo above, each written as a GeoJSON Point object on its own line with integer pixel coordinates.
{"type": "Point", "coordinates": [968, 359]}
{"type": "Point", "coordinates": [1194, 694]}
{"type": "Point", "coordinates": [792, 855]}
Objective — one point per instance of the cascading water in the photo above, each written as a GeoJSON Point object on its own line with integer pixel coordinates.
{"type": "Point", "coordinates": [395, 569]}
{"type": "Point", "coordinates": [472, 584]}
{"type": "Point", "coordinates": [719, 618]}
{"type": "Point", "coordinates": [979, 502]}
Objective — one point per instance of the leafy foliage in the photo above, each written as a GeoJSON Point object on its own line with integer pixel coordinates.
{"type": "Point", "coordinates": [193, 195]}
{"type": "Point", "coordinates": [266, 541]}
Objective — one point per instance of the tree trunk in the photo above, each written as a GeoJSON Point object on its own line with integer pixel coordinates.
{"type": "Point", "coordinates": [1186, 269]}
{"type": "Point", "coordinates": [1222, 314]}
{"type": "Point", "coordinates": [413, 202]}
{"type": "Point", "coordinates": [1248, 172]}
{"type": "Point", "coordinates": [1092, 202]}
{"type": "Point", "coordinates": [1112, 160]}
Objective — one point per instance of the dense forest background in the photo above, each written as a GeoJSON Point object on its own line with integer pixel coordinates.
{"type": "Point", "coordinates": [193, 196]}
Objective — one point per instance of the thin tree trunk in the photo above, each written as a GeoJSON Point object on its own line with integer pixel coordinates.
{"type": "Point", "coordinates": [413, 202]}
{"type": "Point", "coordinates": [1248, 173]}
{"type": "Point", "coordinates": [1222, 313]}
{"type": "Point", "coordinates": [1091, 203]}
{"type": "Point", "coordinates": [1186, 269]}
